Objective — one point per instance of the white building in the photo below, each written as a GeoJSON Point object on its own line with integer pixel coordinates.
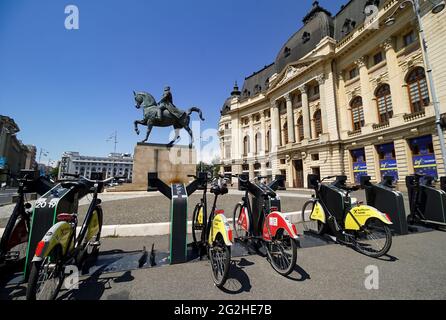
{"type": "Point", "coordinates": [114, 165]}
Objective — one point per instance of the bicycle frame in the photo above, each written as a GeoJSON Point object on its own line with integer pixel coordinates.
{"type": "Point", "coordinates": [11, 240]}
{"type": "Point", "coordinates": [354, 218]}
{"type": "Point", "coordinates": [218, 224]}
{"type": "Point", "coordinates": [63, 233]}
{"type": "Point", "coordinates": [268, 223]}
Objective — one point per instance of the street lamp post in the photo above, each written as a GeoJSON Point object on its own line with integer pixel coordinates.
{"type": "Point", "coordinates": [417, 9]}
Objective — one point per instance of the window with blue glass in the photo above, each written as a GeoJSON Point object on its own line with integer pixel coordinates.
{"type": "Point", "coordinates": [359, 164]}
{"type": "Point", "coordinates": [387, 160]}
{"type": "Point", "coordinates": [423, 156]}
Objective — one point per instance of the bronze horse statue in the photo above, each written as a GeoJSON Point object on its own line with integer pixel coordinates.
{"type": "Point", "coordinates": [150, 107]}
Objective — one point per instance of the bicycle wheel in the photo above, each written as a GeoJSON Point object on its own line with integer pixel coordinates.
{"type": "Point", "coordinates": [46, 277]}
{"type": "Point", "coordinates": [90, 248]}
{"type": "Point", "coordinates": [309, 224]}
{"type": "Point", "coordinates": [238, 230]}
{"type": "Point", "coordinates": [220, 257]}
{"type": "Point", "coordinates": [197, 225]}
{"type": "Point", "coordinates": [375, 239]}
{"type": "Point", "coordinates": [15, 237]}
{"type": "Point", "coordinates": [282, 252]}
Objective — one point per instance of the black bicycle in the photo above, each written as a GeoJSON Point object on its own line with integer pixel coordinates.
{"type": "Point", "coordinates": [14, 240]}
{"type": "Point", "coordinates": [213, 234]}
{"type": "Point", "coordinates": [61, 246]}
{"type": "Point", "coordinates": [268, 228]}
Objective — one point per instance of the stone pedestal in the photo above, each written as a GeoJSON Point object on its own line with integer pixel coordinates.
{"type": "Point", "coordinates": [173, 165]}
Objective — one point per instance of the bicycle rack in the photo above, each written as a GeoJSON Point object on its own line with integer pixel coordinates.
{"type": "Point", "coordinates": [178, 193]}
{"type": "Point", "coordinates": [432, 202]}
{"type": "Point", "coordinates": [383, 197]}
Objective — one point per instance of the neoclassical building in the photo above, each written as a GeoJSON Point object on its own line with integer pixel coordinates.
{"type": "Point", "coordinates": [347, 94]}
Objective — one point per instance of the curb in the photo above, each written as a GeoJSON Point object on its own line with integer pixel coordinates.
{"type": "Point", "coordinates": [155, 229]}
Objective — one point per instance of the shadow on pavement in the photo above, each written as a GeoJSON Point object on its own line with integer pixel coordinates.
{"type": "Point", "coordinates": [13, 292]}
{"type": "Point", "coordinates": [238, 281]}
{"type": "Point", "coordinates": [94, 287]}
{"type": "Point", "coordinates": [303, 275]}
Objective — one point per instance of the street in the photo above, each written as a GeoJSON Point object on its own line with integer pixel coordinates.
{"type": "Point", "coordinates": [414, 269]}
{"type": "Point", "coordinates": [6, 195]}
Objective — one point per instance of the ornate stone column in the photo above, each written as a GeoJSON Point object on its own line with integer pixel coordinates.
{"type": "Point", "coordinates": [236, 140]}
{"type": "Point", "coordinates": [321, 80]}
{"type": "Point", "coordinates": [262, 133]}
{"type": "Point", "coordinates": [252, 149]}
{"type": "Point", "coordinates": [343, 105]}
{"type": "Point", "coordinates": [305, 111]}
{"type": "Point", "coordinates": [275, 126]}
{"type": "Point", "coordinates": [369, 107]}
{"type": "Point", "coordinates": [396, 79]}
{"type": "Point", "coordinates": [290, 118]}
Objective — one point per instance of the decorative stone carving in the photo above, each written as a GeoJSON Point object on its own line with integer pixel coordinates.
{"type": "Point", "coordinates": [387, 44]}
{"type": "Point", "coordinates": [361, 62]}
{"type": "Point", "coordinates": [379, 79]}
{"type": "Point", "coordinates": [303, 88]}
{"type": "Point", "coordinates": [320, 79]}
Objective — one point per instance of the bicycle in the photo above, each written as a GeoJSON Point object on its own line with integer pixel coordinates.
{"type": "Point", "coordinates": [359, 225]}
{"type": "Point", "coordinates": [269, 228]}
{"type": "Point", "coordinates": [418, 202]}
{"type": "Point", "coordinates": [61, 246]}
{"type": "Point", "coordinates": [213, 234]}
{"type": "Point", "coordinates": [14, 240]}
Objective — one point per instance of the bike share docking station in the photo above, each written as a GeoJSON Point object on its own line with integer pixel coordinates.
{"type": "Point", "coordinates": [385, 198]}
{"type": "Point", "coordinates": [429, 202]}
{"type": "Point", "coordinates": [59, 199]}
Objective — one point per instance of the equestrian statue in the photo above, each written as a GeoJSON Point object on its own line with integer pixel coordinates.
{"type": "Point", "coordinates": [163, 114]}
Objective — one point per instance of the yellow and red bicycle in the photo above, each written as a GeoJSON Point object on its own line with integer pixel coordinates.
{"type": "Point", "coordinates": [331, 211]}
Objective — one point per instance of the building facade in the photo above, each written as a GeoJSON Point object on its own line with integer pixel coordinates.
{"type": "Point", "coordinates": [347, 94]}
{"type": "Point", "coordinates": [115, 165]}
{"type": "Point", "coordinates": [14, 155]}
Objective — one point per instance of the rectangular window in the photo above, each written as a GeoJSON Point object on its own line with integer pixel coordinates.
{"type": "Point", "coordinates": [358, 118]}
{"type": "Point", "coordinates": [409, 38]}
{"type": "Point", "coordinates": [423, 156]}
{"type": "Point", "coordinates": [377, 58]}
{"type": "Point", "coordinates": [315, 157]}
{"type": "Point", "coordinates": [353, 73]}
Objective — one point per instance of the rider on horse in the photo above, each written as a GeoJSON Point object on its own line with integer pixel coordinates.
{"type": "Point", "coordinates": [166, 103]}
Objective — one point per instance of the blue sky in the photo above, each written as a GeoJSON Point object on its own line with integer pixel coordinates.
{"type": "Point", "coordinates": [70, 89]}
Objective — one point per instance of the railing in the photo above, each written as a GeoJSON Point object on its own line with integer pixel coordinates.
{"type": "Point", "coordinates": [414, 116]}
{"type": "Point", "coordinates": [379, 126]}
{"type": "Point", "coordinates": [354, 133]}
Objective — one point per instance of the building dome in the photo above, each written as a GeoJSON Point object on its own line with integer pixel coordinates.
{"type": "Point", "coordinates": [318, 24]}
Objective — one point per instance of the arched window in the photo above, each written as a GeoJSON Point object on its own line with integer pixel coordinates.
{"type": "Point", "coordinates": [245, 145]}
{"type": "Point", "coordinates": [268, 141]}
{"type": "Point", "coordinates": [285, 133]}
{"type": "Point", "coordinates": [317, 118]}
{"type": "Point", "coordinates": [258, 143]}
{"type": "Point", "coordinates": [357, 113]}
{"type": "Point", "coordinates": [384, 103]}
{"type": "Point", "coordinates": [418, 91]}
{"type": "Point", "coordinates": [300, 128]}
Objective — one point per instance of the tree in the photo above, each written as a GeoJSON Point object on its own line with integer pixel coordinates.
{"type": "Point", "coordinates": [55, 172]}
